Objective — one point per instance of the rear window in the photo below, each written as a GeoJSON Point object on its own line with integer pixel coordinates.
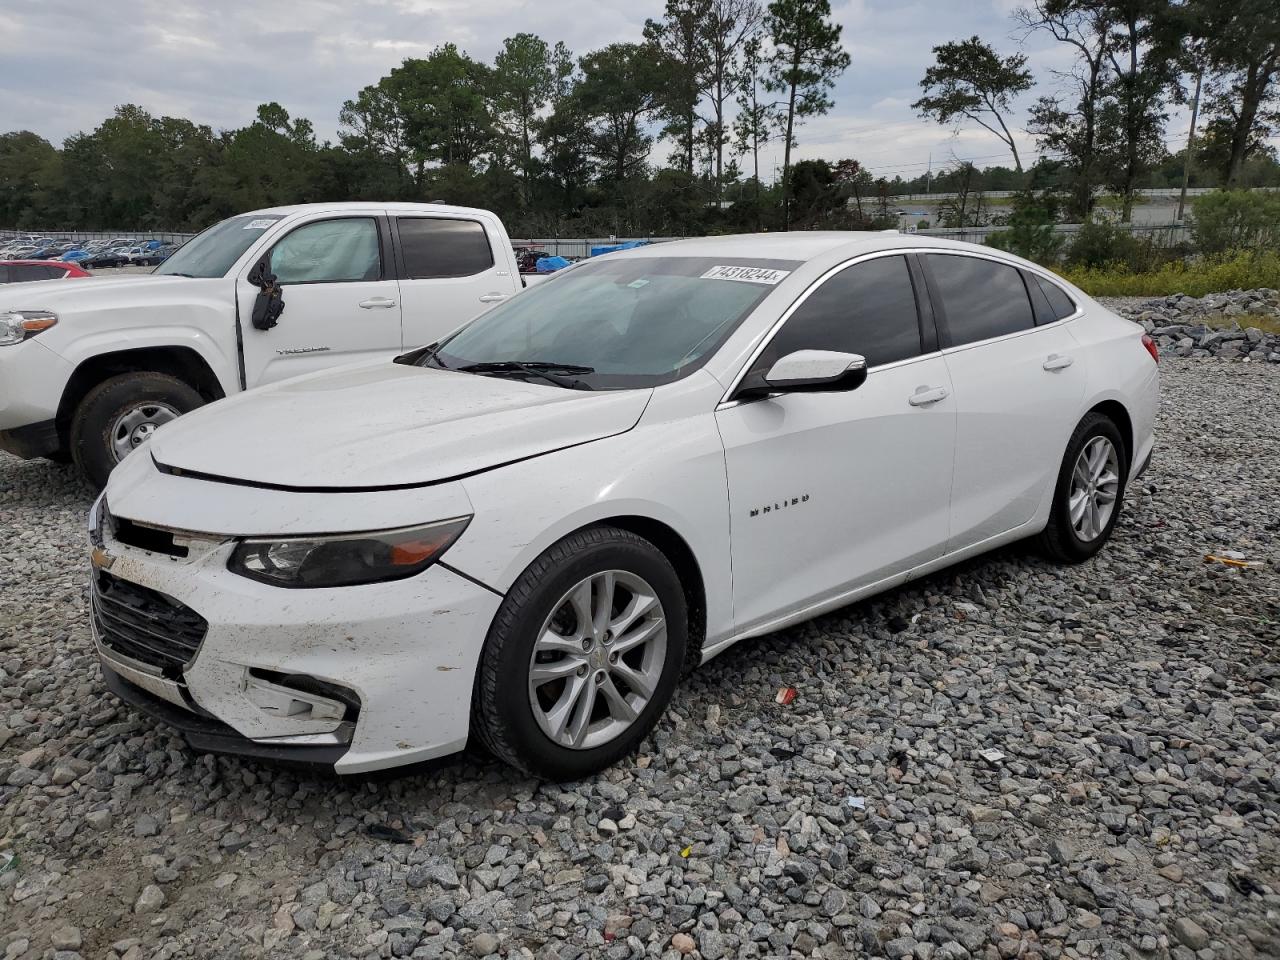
{"type": "Point", "coordinates": [23, 272]}
{"type": "Point", "coordinates": [981, 299]}
{"type": "Point", "coordinates": [434, 247]}
{"type": "Point", "coordinates": [1060, 303]}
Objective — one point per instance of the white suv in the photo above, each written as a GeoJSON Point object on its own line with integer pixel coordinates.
{"type": "Point", "coordinates": [89, 370]}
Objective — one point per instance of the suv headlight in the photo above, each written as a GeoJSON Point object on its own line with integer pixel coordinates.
{"type": "Point", "coordinates": [346, 559]}
{"type": "Point", "coordinates": [18, 325]}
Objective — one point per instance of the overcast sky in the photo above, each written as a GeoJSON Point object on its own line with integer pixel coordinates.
{"type": "Point", "coordinates": [66, 68]}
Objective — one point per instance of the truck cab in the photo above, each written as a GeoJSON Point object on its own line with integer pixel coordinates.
{"type": "Point", "coordinates": [89, 370]}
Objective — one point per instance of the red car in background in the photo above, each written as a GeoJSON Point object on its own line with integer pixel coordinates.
{"type": "Point", "coordinates": [21, 271]}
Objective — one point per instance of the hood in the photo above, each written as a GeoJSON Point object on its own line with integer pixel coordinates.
{"type": "Point", "coordinates": [382, 425]}
{"type": "Point", "coordinates": [93, 293]}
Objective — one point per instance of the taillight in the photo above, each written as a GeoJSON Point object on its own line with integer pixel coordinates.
{"type": "Point", "coordinates": [1152, 349]}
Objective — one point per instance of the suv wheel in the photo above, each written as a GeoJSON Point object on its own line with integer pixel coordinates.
{"type": "Point", "coordinates": [583, 655]}
{"type": "Point", "coordinates": [120, 414]}
{"type": "Point", "coordinates": [1089, 493]}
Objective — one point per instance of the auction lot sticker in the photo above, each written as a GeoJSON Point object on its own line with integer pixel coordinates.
{"type": "Point", "coordinates": [746, 274]}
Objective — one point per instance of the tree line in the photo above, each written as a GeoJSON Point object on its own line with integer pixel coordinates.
{"type": "Point", "coordinates": [569, 145]}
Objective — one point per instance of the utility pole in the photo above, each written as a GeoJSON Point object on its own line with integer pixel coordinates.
{"type": "Point", "coordinates": [1191, 143]}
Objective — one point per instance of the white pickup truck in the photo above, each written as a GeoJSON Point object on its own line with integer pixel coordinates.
{"type": "Point", "coordinates": [90, 368]}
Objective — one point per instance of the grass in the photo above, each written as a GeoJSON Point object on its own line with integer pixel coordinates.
{"type": "Point", "coordinates": [1241, 271]}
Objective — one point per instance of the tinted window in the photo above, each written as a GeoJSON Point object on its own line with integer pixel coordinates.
{"type": "Point", "coordinates": [981, 298]}
{"type": "Point", "coordinates": [443, 248]}
{"type": "Point", "coordinates": [22, 272]}
{"type": "Point", "coordinates": [868, 308]}
{"type": "Point", "coordinates": [4, 274]}
{"type": "Point", "coordinates": [1061, 304]}
{"type": "Point", "coordinates": [329, 251]}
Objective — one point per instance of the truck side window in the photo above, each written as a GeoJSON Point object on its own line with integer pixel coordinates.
{"type": "Point", "coordinates": [435, 247]}
{"type": "Point", "coordinates": [329, 251]}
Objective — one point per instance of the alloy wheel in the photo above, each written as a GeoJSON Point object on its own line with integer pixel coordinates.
{"type": "Point", "coordinates": [598, 659]}
{"type": "Point", "coordinates": [1095, 484]}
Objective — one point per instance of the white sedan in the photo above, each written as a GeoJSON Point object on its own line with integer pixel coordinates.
{"type": "Point", "coordinates": [525, 532]}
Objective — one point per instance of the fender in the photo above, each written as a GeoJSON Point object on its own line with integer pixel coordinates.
{"type": "Point", "coordinates": [546, 498]}
{"type": "Point", "coordinates": [222, 362]}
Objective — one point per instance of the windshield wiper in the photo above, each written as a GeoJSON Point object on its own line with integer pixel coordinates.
{"type": "Point", "coordinates": [538, 368]}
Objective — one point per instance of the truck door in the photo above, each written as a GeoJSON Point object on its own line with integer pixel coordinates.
{"type": "Point", "coordinates": [341, 302]}
{"type": "Point", "coordinates": [449, 273]}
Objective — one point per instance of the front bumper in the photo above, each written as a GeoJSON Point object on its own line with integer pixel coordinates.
{"type": "Point", "coordinates": [34, 440]}
{"type": "Point", "coordinates": [407, 650]}
{"type": "Point", "coordinates": [32, 378]}
{"type": "Point", "coordinates": [212, 735]}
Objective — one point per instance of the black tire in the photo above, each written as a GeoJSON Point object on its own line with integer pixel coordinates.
{"type": "Point", "coordinates": [501, 714]}
{"type": "Point", "coordinates": [91, 426]}
{"type": "Point", "coordinates": [1059, 540]}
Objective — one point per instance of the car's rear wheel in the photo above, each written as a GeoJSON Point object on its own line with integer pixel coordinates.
{"type": "Point", "coordinates": [582, 656]}
{"type": "Point", "coordinates": [120, 414]}
{"type": "Point", "coordinates": [1089, 493]}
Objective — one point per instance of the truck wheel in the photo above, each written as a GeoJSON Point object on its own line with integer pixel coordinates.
{"type": "Point", "coordinates": [120, 414]}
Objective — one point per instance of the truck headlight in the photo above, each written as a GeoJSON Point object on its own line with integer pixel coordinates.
{"type": "Point", "coordinates": [346, 559]}
{"type": "Point", "coordinates": [19, 325]}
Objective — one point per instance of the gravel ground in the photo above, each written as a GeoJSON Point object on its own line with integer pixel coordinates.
{"type": "Point", "coordinates": [1009, 759]}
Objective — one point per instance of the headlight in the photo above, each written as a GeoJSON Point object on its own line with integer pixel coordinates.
{"type": "Point", "coordinates": [347, 559]}
{"type": "Point", "coordinates": [18, 325]}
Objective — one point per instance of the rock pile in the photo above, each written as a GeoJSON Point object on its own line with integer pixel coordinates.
{"type": "Point", "coordinates": [1218, 325]}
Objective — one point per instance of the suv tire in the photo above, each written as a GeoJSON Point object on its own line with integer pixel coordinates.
{"type": "Point", "coordinates": [98, 420]}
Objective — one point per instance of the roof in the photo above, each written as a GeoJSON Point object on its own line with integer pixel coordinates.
{"type": "Point", "coordinates": [365, 205]}
{"type": "Point", "coordinates": [41, 263]}
{"type": "Point", "coordinates": [802, 245]}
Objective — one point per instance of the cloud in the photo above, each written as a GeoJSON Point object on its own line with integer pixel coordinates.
{"type": "Point", "coordinates": [215, 62]}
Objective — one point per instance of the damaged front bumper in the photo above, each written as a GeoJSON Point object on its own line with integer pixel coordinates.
{"type": "Point", "coordinates": [209, 734]}
{"type": "Point", "coordinates": [352, 678]}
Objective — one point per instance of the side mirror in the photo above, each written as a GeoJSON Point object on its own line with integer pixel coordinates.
{"type": "Point", "coordinates": [808, 371]}
{"type": "Point", "coordinates": [269, 303]}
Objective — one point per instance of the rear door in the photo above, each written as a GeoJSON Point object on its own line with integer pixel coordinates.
{"type": "Point", "coordinates": [341, 302]}
{"type": "Point", "coordinates": [1017, 392]}
{"type": "Point", "coordinates": [450, 272]}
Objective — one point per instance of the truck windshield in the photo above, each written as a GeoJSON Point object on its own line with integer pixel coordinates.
{"type": "Point", "coordinates": [616, 323]}
{"type": "Point", "coordinates": [211, 254]}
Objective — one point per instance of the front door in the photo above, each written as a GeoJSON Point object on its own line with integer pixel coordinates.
{"type": "Point", "coordinates": [830, 492]}
{"type": "Point", "coordinates": [341, 301]}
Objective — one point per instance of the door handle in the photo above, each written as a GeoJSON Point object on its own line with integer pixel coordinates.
{"type": "Point", "coordinates": [927, 395]}
{"type": "Point", "coordinates": [493, 297]}
{"type": "Point", "coordinates": [374, 303]}
{"type": "Point", "coordinates": [1057, 361]}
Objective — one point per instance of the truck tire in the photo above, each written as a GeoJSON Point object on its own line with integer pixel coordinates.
{"type": "Point", "coordinates": [120, 414]}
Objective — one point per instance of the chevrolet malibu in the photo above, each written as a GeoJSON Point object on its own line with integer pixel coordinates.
{"type": "Point", "coordinates": [525, 532]}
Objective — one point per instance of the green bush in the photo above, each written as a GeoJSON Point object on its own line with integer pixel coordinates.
{"type": "Point", "coordinates": [1101, 243]}
{"type": "Point", "coordinates": [1244, 270]}
{"type": "Point", "coordinates": [1236, 220]}
{"type": "Point", "coordinates": [1030, 234]}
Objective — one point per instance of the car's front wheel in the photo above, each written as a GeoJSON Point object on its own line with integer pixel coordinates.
{"type": "Point", "coordinates": [583, 655]}
{"type": "Point", "coordinates": [120, 414]}
{"type": "Point", "coordinates": [1089, 492]}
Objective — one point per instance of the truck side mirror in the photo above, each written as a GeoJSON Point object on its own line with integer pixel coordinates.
{"type": "Point", "coordinates": [269, 303]}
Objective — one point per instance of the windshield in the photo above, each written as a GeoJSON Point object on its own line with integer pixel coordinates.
{"type": "Point", "coordinates": [617, 323]}
{"type": "Point", "coordinates": [211, 254]}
